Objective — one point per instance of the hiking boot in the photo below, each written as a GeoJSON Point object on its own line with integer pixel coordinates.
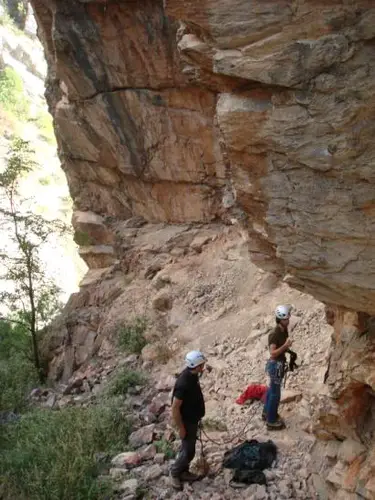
{"type": "Point", "coordinates": [175, 483]}
{"type": "Point", "coordinates": [189, 477]}
{"type": "Point", "coordinates": [276, 426]}
{"type": "Point", "coordinates": [264, 417]}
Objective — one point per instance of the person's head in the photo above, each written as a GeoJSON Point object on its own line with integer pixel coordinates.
{"type": "Point", "coordinates": [195, 361]}
{"type": "Point", "coordinates": [282, 314]}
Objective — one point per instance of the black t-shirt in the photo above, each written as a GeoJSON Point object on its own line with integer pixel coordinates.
{"type": "Point", "coordinates": [188, 389]}
{"type": "Point", "coordinates": [278, 337]}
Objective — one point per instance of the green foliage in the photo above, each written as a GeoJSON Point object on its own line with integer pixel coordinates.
{"type": "Point", "coordinates": [45, 181]}
{"type": "Point", "coordinates": [15, 103]}
{"type": "Point", "coordinates": [142, 492]}
{"type": "Point", "coordinates": [17, 373]}
{"type": "Point", "coordinates": [45, 125]}
{"type": "Point", "coordinates": [32, 291]}
{"type": "Point", "coordinates": [131, 336]}
{"type": "Point", "coordinates": [16, 14]}
{"type": "Point", "coordinates": [82, 238]}
{"type": "Point", "coordinates": [12, 95]}
{"type": "Point", "coordinates": [164, 446]}
{"type": "Point", "coordinates": [5, 19]}
{"type": "Point", "coordinates": [123, 380]}
{"type": "Point", "coordinates": [50, 455]}
{"type": "Point", "coordinates": [17, 379]}
{"type": "Point", "coordinates": [28, 287]}
{"type": "Point", "coordinates": [14, 338]}
{"type": "Point", "coordinates": [20, 162]}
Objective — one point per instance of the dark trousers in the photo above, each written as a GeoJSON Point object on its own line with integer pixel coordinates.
{"type": "Point", "coordinates": [275, 370]}
{"type": "Point", "coordinates": [187, 450]}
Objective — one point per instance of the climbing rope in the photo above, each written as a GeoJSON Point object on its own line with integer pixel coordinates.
{"type": "Point", "coordinates": [203, 464]}
{"type": "Point", "coordinates": [285, 375]}
{"type": "Point", "coordinates": [255, 407]}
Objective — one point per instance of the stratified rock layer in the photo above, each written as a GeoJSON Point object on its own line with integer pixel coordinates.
{"type": "Point", "coordinates": [167, 111]}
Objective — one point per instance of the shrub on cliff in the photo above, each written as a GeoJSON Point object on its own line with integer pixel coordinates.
{"type": "Point", "coordinates": [17, 373]}
{"type": "Point", "coordinates": [123, 380]}
{"type": "Point", "coordinates": [17, 378]}
{"type": "Point", "coordinates": [12, 95]}
{"type": "Point", "coordinates": [131, 336]}
{"type": "Point", "coordinates": [53, 455]}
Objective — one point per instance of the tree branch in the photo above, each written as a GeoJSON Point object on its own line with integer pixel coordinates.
{"type": "Point", "coordinates": [17, 322]}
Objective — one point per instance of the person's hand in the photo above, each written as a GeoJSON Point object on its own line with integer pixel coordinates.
{"type": "Point", "coordinates": [182, 432]}
{"type": "Point", "coordinates": [288, 342]}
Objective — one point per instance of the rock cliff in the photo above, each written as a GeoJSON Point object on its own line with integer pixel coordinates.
{"type": "Point", "coordinates": [258, 112]}
{"type": "Point", "coordinates": [176, 113]}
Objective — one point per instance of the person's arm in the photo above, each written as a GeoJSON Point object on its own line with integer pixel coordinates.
{"type": "Point", "coordinates": [275, 352]}
{"type": "Point", "coordinates": [176, 416]}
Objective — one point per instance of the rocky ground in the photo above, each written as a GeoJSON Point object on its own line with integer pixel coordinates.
{"type": "Point", "coordinates": [236, 362]}
{"type": "Point", "coordinates": [198, 289]}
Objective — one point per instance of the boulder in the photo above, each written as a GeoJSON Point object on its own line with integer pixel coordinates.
{"type": "Point", "coordinates": [350, 450]}
{"type": "Point", "coordinates": [128, 487]}
{"type": "Point", "coordinates": [162, 302]}
{"type": "Point", "coordinates": [142, 436]}
{"type": "Point", "coordinates": [288, 396]}
{"type": "Point", "coordinates": [166, 383]}
{"type": "Point", "coordinates": [127, 459]}
{"type": "Point", "coordinates": [159, 403]}
{"type": "Point", "coordinates": [148, 452]}
{"type": "Point", "coordinates": [153, 472]}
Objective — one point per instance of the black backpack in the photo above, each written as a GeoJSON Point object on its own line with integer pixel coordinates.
{"type": "Point", "coordinates": [249, 459]}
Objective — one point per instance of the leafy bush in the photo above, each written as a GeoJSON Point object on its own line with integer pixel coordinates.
{"type": "Point", "coordinates": [17, 379]}
{"type": "Point", "coordinates": [12, 95]}
{"type": "Point", "coordinates": [50, 455]}
{"type": "Point", "coordinates": [45, 124]}
{"type": "Point", "coordinates": [16, 11]}
{"type": "Point", "coordinates": [14, 338]}
{"type": "Point", "coordinates": [123, 380]}
{"type": "Point", "coordinates": [164, 446]}
{"type": "Point", "coordinates": [6, 20]}
{"type": "Point", "coordinates": [131, 336]}
{"type": "Point", "coordinates": [17, 372]}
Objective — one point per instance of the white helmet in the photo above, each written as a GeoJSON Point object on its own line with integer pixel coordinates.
{"type": "Point", "coordinates": [283, 312]}
{"type": "Point", "coordinates": [194, 359]}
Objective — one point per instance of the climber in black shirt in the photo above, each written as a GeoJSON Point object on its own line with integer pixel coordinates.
{"type": "Point", "coordinates": [187, 410]}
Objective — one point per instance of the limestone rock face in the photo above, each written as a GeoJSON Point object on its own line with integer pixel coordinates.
{"type": "Point", "coordinates": [348, 412]}
{"type": "Point", "coordinates": [134, 137]}
{"type": "Point", "coordinates": [169, 111]}
{"type": "Point", "coordinates": [299, 145]}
